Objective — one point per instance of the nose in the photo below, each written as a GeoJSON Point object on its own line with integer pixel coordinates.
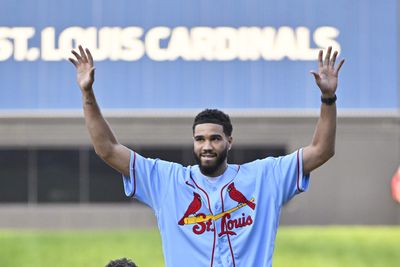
{"type": "Point", "coordinates": [207, 145]}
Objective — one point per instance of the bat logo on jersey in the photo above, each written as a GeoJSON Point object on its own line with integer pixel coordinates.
{"type": "Point", "coordinates": [203, 222]}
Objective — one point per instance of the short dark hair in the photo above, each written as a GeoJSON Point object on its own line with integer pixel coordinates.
{"type": "Point", "coordinates": [214, 116]}
{"type": "Point", "coordinates": [124, 262]}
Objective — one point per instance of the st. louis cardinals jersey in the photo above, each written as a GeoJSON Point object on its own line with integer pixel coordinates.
{"type": "Point", "coordinates": [231, 221]}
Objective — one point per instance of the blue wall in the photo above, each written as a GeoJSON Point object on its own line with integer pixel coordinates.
{"type": "Point", "coordinates": [34, 78]}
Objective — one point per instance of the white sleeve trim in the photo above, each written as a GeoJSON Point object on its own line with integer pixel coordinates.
{"type": "Point", "coordinates": [130, 182]}
{"type": "Point", "coordinates": [302, 181]}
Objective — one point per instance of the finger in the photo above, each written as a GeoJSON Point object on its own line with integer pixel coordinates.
{"type": "Point", "coordinates": [78, 57]}
{"type": "Point", "coordinates": [328, 56]}
{"type": "Point", "coordinates": [339, 66]}
{"type": "Point", "coordinates": [333, 60]}
{"type": "Point", "coordinates": [320, 59]}
{"type": "Point", "coordinates": [89, 57]}
{"type": "Point", "coordinates": [83, 55]}
{"type": "Point", "coordinates": [73, 62]}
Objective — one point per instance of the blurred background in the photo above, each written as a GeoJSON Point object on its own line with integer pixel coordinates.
{"type": "Point", "coordinates": [158, 63]}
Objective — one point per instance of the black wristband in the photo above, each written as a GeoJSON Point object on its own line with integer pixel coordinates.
{"type": "Point", "coordinates": [329, 101]}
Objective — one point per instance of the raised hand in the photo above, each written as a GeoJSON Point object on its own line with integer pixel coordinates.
{"type": "Point", "coordinates": [327, 75]}
{"type": "Point", "coordinates": [84, 68]}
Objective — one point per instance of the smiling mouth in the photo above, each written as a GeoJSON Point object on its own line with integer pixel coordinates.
{"type": "Point", "coordinates": [208, 156]}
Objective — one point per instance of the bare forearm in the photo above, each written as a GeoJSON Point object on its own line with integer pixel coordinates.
{"type": "Point", "coordinates": [325, 131]}
{"type": "Point", "coordinates": [100, 132]}
{"type": "Point", "coordinates": [103, 139]}
{"type": "Point", "coordinates": [322, 146]}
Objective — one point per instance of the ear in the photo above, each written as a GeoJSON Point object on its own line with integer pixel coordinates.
{"type": "Point", "coordinates": [230, 141]}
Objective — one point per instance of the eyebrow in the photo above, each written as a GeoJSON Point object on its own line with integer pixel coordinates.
{"type": "Point", "coordinates": [211, 136]}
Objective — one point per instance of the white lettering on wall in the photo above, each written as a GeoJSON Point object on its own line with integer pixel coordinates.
{"type": "Point", "coordinates": [169, 44]}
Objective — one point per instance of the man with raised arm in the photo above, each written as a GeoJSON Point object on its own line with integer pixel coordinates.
{"type": "Point", "coordinates": [215, 213]}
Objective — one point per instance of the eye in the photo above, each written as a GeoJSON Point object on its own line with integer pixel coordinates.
{"type": "Point", "coordinates": [198, 138]}
{"type": "Point", "coordinates": [216, 138]}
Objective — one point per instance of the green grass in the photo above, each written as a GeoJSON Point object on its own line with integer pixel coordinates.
{"type": "Point", "coordinates": [295, 246]}
{"type": "Point", "coordinates": [78, 248]}
{"type": "Point", "coordinates": [338, 247]}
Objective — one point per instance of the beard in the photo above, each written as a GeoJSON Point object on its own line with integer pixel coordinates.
{"type": "Point", "coordinates": [208, 170]}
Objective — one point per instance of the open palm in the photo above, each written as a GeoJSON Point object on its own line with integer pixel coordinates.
{"type": "Point", "coordinates": [84, 68]}
{"type": "Point", "coordinates": [327, 75]}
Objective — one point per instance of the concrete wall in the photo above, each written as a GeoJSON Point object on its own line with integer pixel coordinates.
{"type": "Point", "coordinates": [352, 188]}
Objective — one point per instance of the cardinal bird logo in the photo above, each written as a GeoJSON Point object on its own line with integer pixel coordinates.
{"type": "Point", "coordinates": [238, 196]}
{"type": "Point", "coordinates": [194, 207]}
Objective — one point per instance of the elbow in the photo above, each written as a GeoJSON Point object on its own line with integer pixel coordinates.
{"type": "Point", "coordinates": [327, 155]}
{"type": "Point", "coordinates": [103, 152]}
{"type": "Point", "coordinates": [323, 155]}
{"type": "Point", "coordinates": [331, 153]}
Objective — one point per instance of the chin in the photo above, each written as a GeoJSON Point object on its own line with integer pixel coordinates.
{"type": "Point", "coordinates": [208, 163]}
{"type": "Point", "coordinates": [210, 166]}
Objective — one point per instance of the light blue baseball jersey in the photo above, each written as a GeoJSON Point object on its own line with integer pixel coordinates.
{"type": "Point", "coordinates": [230, 222]}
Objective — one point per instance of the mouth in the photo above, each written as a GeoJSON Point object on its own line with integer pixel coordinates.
{"type": "Point", "coordinates": [208, 156]}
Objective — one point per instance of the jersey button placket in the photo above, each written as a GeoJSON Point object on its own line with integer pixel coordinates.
{"type": "Point", "coordinates": [217, 208]}
{"type": "Point", "coordinates": [218, 255]}
{"type": "Point", "coordinates": [228, 261]}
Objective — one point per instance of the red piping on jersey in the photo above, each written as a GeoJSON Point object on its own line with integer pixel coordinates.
{"type": "Point", "coordinates": [192, 186]}
{"type": "Point", "coordinates": [230, 247]}
{"type": "Point", "coordinates": [134, 173]}
{"type": "Point", "coordinates": [298, 173]}
{"type": "Point", "coordinates": [222, 189]}
{"type": "Point", "coordinates": [223, 210]}
{"type": "Point", "coordinates": [209, 207]}
{"type": "Point", "coordinates": [215, 238]}
{"type": "Point", "coordinates": [205, 193]}
{"type": "Point", "coordinates": [229, 239]}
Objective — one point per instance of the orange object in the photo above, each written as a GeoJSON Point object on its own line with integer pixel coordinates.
{"type": "Point", "coordinates": [396, 186]}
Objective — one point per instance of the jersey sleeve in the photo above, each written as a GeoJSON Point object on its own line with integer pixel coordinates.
{"type": "Point", "coordinates": [288, 172]}
{"type": "Point", "coordinates": [148, 179]}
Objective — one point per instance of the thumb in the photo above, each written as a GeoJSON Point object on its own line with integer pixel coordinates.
{"type": "Point", "coordinates": [316, 75]}
{"type": "Point", "coordinates": [92, 73]}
